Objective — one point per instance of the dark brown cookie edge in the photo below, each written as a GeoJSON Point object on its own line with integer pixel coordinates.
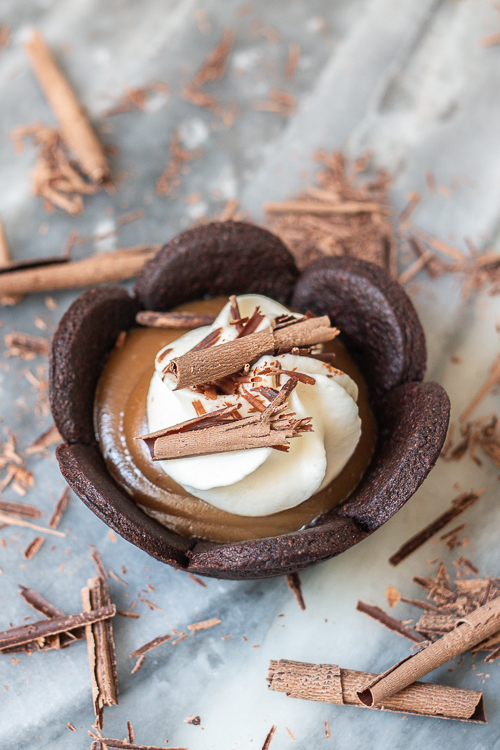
{"type": "Point", "coordinates": [86, 473]}
{"type": "Point", "coordinates": [413, 420]}
{"type": "Point", "coordinates": [376, 318]}
{"type": "Point", "coordinates": [220, 258]}
{"type": "Point", "coordinates": [84, 337]}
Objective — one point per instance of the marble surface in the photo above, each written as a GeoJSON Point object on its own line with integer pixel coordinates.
{"type": "Point", "coordinates": [406, 79]}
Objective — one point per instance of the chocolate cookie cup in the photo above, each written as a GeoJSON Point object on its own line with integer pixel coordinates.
{"type": "Point", "coordinates": [379, 328]}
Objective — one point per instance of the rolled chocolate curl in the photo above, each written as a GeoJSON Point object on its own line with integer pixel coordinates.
{"type": "Point", "coordinates": [74, 125]}
{"type": "Point", "coordinates": [468, 632]}
{"type": "Point", "coordinates": [216, 362]}
{"type": "Point", "coordinates": [242, 434]}
{"type": "Point", "coordinates": [101, 649]}
{"type": "Point", "coordinates": [153, 319]}
{"type": "Point", "coordinates": [329, 683]}
{"type": "Point", "coordinates": [43, 628]}
{"type": "Point", "coordinates": [104, 268]}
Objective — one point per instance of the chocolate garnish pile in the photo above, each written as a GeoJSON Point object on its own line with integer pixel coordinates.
{"type": "Point", "coordinates": [225, 368]}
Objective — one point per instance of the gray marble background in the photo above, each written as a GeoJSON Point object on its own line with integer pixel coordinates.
{"type": "Point", "coordinates": [406, 79]}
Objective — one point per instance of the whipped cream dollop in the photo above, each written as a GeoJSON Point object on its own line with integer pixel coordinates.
{"type": "Point", "coordinates": [260, 481]}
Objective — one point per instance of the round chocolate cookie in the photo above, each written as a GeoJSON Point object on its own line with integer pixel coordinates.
{"type": "Point", "coordinates": [217, 259]}
{"type": "Point", "coordinates": [379, 327]}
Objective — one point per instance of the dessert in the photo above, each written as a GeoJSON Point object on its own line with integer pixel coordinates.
{"type": "Point", "coordinates": [380, 331]}
{"type": "Point", "coordinates": [249, 493]}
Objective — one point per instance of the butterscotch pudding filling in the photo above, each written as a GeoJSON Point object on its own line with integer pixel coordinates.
{"type": "Point", "coordinates": [263, 448]}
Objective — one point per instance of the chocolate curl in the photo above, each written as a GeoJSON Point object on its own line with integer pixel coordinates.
{"type": "Point", "coordinates": [43, 628]}
{"type": "Point", "coordinates": [103, 268]}
{"type": "Point", "coordinates": [331, 684]}
{"type": "Point", "coordinates": [101, 649]}
{"type": "Point", "coordinates": [75, 128]}
{"type": "Point", "coordinates": [242, 434]}
{"type": "Point", "coordinates": [211, 364]}
{"type": "Point", "coordinates": [469, 631]}
{"type": "Point", "coordinates": [48, 610]}
{"type": "Point", "coordinates": [197, 367]}
{"type": "Point", "coordinates": [219, 432]}
{"type": "Point", "coordinates": [173, 319]}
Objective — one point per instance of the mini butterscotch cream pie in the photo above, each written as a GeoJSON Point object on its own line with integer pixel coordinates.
{"type": "Point", "coordinates": [249, 427]}
{"type": "Point", "coordinates": [240, 443]}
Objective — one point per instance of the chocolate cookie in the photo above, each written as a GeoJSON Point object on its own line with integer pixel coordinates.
{"type": "Point", "coordinates": [379, 326]}
{"type": "Point", "coordinates": [375, 316]}
{"type": "Point", "coordinates": [217, 259]}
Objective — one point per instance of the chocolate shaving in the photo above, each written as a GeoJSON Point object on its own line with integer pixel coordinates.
{"type": "Point", "coordinates": [252, 324]}
{"type": "Point", "coordinates": [59, 508]}
{"type": "Point", "coordinates": [25, 345]}
{"type": "Point", "coordinates": [11, 520]}
{"type": "Point", "coordinates": [18, 509]}
{"type": "Point", "coordinates": [270, 735]}
{"type": "Point", "coordinates": [268, 393]}
{"type": "Point", "coordinates": [331, 684]}
{"type": "Point", "coordinates": [209, 340]}
{"type": "Point", "coordinates": [47, 438]}
{"type": "Point", "coordinates": [435, 623]}
{"type": "Point", "coordinates": [197, 580]}
{"type": "Point", "coordinates": [213, 68]}
{"type": "Point", "coordinates": [117, 578]}
{"type": "Point", "coordinates": [101, 570]}
{"type": "Point", "coordinates": [253, 400]}
{"type": "Point", "coordinates": [40, 604]}
{"type": "Point", "coordinates": [101, 649]}
{"type": "Point", "coordinates": [153, 607]}
{"type": "Point", "coordinates": [33, 547]}
{"type": "Point", "coordinates": [44, 628]}
{"type": "Point", "coordinates": [170, 177]}
{"type": "Point", "coordinates": [105, 742]}
{"type": "Point", "coordinates": [150, 645]}
{"type": "Point", "coordinates": [194, 368]}
{"type": "Point", "coordinates": [387, 621]}
{"type": "Point", "coordinates": [136, 98]}
{"type": "Point", "coordinates": [236, 318]}
{"type": "Point", "coordinates": [202, 420]}
{"type": "Point", "coordinates": [469, 631]}
{"type": "Point", "coordinates": [320, 208]}
{"type": "Point", "coordinates": [294, 584]}
{"type": "Point", "coordinates": [195, 720]}
{"type": "Point", "coordinates": [173, 319]}
{"type": "Point", "coordinates": [204, 624]}
{"type": "Point", "coordinates": [127, 613]}
{"type": "Point", "coordinates": [420, 604]}
{"type": "Point", "coordinates": [459, 505]}
{"type": "Point", "coordinates": [137, 666]}
{"type": "Point", "coordinates": [130, 732]}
